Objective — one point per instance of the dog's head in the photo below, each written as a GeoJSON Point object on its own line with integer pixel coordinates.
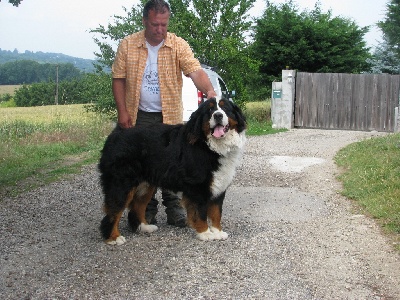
{"type": "Point", "coordinates": [215, 119]}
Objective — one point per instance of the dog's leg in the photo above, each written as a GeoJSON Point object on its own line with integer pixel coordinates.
{"type": "Point", "coordinates": [109, 224]}
{"type": "Point", "coordinates": [114, 238]}
{"type": "Point", "coordinates": [137, 214]}
{"type": "Point", "coordinates": [214, 212]}
{"type": "Point", "coordinates": [197, 219]}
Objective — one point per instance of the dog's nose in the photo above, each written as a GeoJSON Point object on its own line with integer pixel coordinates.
{"type": "Point", "coordinates": [218, 116]}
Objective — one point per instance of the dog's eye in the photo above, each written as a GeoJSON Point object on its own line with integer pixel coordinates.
{"type": "Point", "coordinates": [224, 108]}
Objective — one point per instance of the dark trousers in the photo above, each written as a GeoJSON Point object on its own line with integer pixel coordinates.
{"type": "Point", "coordinates": [148, 118]}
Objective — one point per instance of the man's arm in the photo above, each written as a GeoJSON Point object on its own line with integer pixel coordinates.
{"type": "Point", "coordinates": [203, 83]}
{"type": "Point", "coordinates": [119, 88]}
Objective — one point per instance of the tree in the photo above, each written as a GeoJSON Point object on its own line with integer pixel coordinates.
{"type": "Point", "coordinates": [15, 2]}
{"type": "Point", "coordinates": [28, 71]}
{"type": "Point", "coordinates": [98, 92]}
{"type": "Point", "coordinates": [82, 64]}
{"type": "Point", "coordinates": [385, 60]}
{"type": "Point", "coordinates": [112, 34]}
{"type": "Point", "coordinates": [216, 31]}
{"type": "Point", "coordinates": [307, 41]}
{"type": "Point", "coordinates": [43, 93]}
{"type": "Point", "coordinates": [391, 26]}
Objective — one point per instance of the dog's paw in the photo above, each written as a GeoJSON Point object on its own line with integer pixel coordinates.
{"type": "Point", "coordinates": [206, 235]}
{"type": "Point", "coordinates": [118, 241]}
{"type": "Point", "coordinates": [219, 234]}
{"type": "Point", "coordinates": [147, 228]}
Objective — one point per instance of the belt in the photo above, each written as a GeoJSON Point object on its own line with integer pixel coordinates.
{"type": "Point", "coordinates": [154, 113]}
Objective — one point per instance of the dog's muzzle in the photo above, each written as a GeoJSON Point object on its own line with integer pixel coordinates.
{"type": "Point", "coordinates": [219, 129]}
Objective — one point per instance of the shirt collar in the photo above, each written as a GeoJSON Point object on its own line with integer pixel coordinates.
{"type": "Point", "coordinates": [142, 40]}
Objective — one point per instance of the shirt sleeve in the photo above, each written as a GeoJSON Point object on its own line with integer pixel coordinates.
{"type": "Point", "coordinates": [119, 66]}
{"type": "Point", "coordinates": [188, 63]}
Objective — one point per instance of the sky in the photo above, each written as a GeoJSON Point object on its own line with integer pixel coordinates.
{"type": "Point", "coordinates": [63, 26]}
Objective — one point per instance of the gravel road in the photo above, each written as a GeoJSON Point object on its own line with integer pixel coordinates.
{"type": "Point", "coordinates": [292, 236]}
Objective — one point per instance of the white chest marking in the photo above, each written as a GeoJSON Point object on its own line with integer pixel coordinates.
{"type": "Point", "coordinates": [229, 161]}
{"type": "Point", "coordinates": [223, 177]}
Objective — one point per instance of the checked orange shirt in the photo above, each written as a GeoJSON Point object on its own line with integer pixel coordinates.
{"type": "Point", "coordinates": [174, 57]}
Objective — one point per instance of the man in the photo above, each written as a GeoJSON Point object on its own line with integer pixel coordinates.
{"type": "Point", "coordinates": [147, 85]}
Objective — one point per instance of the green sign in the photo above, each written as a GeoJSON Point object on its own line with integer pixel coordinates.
{"type": "Point", "coordinates": [277, 94]}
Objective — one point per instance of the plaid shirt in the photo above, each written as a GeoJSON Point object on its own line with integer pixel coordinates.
{"type": "Point", "coordinates": [174, 57]}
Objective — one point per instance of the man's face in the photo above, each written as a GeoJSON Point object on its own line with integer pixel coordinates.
{"type": "Point", "coordinates": [156, 26]}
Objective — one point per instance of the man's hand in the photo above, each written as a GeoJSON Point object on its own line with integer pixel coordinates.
{"type": "Point", "coordinates": [211, 94]}
{"type": "Point", "coordinates": [124, 120]}
{"type": "Point", "coordinates": [119, 88]}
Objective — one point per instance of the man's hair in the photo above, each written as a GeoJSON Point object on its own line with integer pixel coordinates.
{"type": "Point", "coordinates": [159, 6]}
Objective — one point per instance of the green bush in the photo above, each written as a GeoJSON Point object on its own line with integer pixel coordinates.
{"type": "Point", "coordinates": [90, 89]}
{"type": "Point", "coordinates": [98, 92]}
{"type": "Point", "coordinates": [7, 100]}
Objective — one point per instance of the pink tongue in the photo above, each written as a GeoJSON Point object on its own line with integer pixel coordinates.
{"type": "Point", "coordinates": [219, 131]}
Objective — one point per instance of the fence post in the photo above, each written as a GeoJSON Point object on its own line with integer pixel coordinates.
{"type": "Point", "coordinates": [282, 104]}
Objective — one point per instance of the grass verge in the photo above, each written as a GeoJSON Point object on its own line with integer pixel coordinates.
{"type": "Point", "coordinates": [258, 115]}
{"type": "Point", "coordinates": [371, 173]}
{"type": "Point", "coordinates": [41, 144]}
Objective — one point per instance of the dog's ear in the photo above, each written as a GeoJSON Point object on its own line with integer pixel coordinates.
{"type": "Point", "coordinates": [194, 127]}
{"type": "Point", "coordinates": [241, 119]}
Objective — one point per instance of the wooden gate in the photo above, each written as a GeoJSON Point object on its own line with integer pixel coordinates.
{"type": "Point", "coordinates": [346, 101]}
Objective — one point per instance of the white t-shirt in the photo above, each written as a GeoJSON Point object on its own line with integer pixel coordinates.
{"type": "Point", "coordinates": [150, 99]}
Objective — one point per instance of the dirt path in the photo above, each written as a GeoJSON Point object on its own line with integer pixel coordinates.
{"type": "Point", "coordinates": [292, 236]}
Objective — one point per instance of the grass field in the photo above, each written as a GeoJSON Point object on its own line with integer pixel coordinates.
{"type": "Point", "coordinates": [259, 118]}
{"type": "Point", "coordinates": [8, 89]}
{"type": "Point", "coordinates": [40, 144]}
{"type": "Point", "coordinates": [258, 111]}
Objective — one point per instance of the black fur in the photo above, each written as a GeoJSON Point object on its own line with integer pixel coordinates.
{"type": "Point", "coordinates": [174, 157]}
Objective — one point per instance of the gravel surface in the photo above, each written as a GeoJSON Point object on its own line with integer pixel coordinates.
{"type": "Point", "coordinates": [292, 236]}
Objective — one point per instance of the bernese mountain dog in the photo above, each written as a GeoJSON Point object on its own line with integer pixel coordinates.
{"type": "Point", "coordinates": [198, 159]}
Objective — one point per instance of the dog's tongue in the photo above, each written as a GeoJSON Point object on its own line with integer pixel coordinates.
{"type": "Point", "coordinates": [218, 131]}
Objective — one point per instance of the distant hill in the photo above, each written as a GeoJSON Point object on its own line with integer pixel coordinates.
{"type": "Point", "coordinates": [85, 65]}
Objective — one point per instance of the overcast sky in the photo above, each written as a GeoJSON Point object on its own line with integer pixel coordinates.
{"type": "Point", "coordinates": [62, 26]}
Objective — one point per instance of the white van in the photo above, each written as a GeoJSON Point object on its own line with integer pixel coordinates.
{"type": "Point", "coordinates": [192, 97]}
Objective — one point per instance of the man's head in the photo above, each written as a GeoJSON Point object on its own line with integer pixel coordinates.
{"type": "Point", "coordinates": [155, 20]}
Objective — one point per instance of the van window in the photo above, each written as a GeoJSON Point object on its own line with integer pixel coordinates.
{"type": "Point", "coordinates": [215, 82]}
{"type": "Point", "coordinates": [224, 90]}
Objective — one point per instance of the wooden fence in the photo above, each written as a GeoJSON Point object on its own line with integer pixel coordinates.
{"type": "Point", "coordinates": [346, 101]}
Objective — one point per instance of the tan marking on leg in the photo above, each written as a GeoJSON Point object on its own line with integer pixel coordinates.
{"type": "Point", "coordinates": [117, 217]}
{"type": "Point", "coordinates": [193, 217]}
{"type": "Point", "coordinates": [115, 231]}
{"type": "Point", "coordinates": [131, 196]}
{"type": "Point", "coordinates": [141, 200]}
{"type": "Point", "coordinates": [214, 214]}
{"type": "Point", "coordinates": [128, 201]}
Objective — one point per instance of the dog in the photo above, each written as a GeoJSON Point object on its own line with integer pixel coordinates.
{"type": "Point", "coordinates": [197, 159]}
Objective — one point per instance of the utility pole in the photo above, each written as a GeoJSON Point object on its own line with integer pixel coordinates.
{"type": "Point", "coordinates": [56, 96]}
